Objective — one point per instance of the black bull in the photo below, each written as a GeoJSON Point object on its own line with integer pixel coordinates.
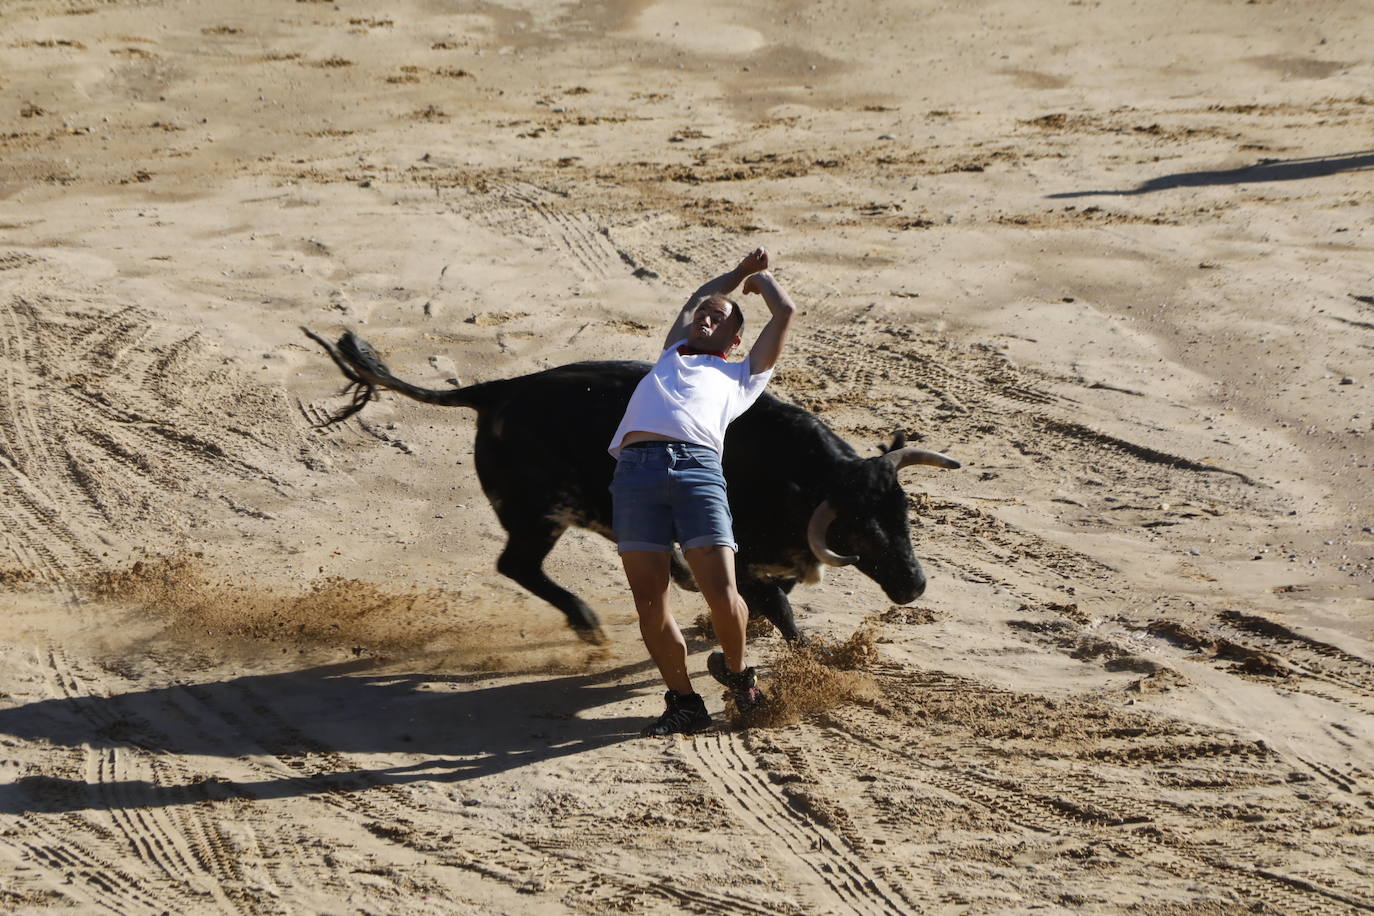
{"type": "Point", "coordinates": [799, 494]}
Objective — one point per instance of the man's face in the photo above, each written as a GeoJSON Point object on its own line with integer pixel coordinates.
{"type": "Point", "coordinates": [713, 327]}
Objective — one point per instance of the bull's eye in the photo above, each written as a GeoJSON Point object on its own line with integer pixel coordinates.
{"type": "Point", "coordinates": [873, 541]}
{"type": "Point", "coordinates": [861, 539]}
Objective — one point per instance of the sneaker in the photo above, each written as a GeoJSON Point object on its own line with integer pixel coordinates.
{"type": "Point", "coordinates": [686, 713]}
{"type": "Point", "coordinates": [743, 684]}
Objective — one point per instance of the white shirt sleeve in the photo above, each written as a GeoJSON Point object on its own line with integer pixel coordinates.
{"type": "Point", "coordinates": [750, 386]}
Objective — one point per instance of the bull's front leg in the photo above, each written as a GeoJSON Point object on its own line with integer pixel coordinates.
{"type": "Point", "coordinates": [768, 600]}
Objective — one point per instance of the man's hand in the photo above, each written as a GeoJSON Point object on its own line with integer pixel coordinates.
{"type": "Point", "coordinates": [753, 262]}
{"type": "Point", "coordinates": [755, 282]}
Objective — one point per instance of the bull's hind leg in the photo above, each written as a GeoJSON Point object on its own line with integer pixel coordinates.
{"type": "Point", "coordinates": [523, 561]}
{"type": "Point", "coordinates": [767, 600]}
{"type": "Point", "coordinates": [681, 573]}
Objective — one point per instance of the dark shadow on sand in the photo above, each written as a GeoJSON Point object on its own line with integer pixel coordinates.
{"type": "Point", "coordinates": [1265, 170]}
{"type": "Point", "coordinates": [304, 720]}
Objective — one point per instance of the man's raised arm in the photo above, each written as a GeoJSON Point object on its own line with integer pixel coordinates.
{"type": "Point", "coordinates": [723, 285]}
{"type": "Point", "coordinates": [768, 347]}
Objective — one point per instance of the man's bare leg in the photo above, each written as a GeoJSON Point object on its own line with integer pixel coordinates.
{"type": "Point", "coordinates": [647, 572]}
{"type": "Point", "coordinates": [714, 569]}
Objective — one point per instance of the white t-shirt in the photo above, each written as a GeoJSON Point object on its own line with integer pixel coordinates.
{"type": "Point", "coordinates": [691, 398]}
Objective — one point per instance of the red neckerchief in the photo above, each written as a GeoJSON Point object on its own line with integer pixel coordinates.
{"type": "Point", "coordinates": [689, 350]}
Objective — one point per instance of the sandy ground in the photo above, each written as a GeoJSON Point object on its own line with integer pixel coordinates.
{"type": "Point", "coordinates": [1114, 256]}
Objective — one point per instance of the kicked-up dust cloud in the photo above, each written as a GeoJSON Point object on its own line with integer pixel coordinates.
{"type": "Point", "coordinates": [334, 612]}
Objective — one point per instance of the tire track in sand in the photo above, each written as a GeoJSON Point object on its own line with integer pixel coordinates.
{"type": "Point", "coordinates": [1118, 822]}
{"type": "Point", "coordinates": [530, 211]}
{"type": "Point", "coordinates": [35, 533]}
{"type": "Point", "coordinates": [391, 813]}
{"type": "Point", "coordinates": [268, 749]}
{"type": "Point", "coordinates": [75, 856]}
{"type": "Point", "coordinates": [169, 839]}
{"type": "Point", "coordinates": [88, 876]}
{"type": "Point", "coordinates": [1262, 650]}
{"type": "Point", "coordinates": [126, 777]}
{"type": "Point", "coordinates": [840, 879]}
{"type": "Point", "coordinates": [108, 421]}
{"type": "Point", "coordinates": [1314, 658]}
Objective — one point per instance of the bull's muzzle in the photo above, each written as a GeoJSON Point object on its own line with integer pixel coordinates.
{"type": "Point", "coordinates": [909, 593]}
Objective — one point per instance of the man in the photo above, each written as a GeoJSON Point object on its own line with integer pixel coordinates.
{"type": "Point", "coordinates": [668, 484]}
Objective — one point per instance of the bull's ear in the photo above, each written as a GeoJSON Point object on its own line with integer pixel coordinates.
{"type": "Point", "coordinates": [898, 441]}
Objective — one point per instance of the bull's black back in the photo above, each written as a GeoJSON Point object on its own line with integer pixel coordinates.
{"type": "Point", "coordinates": [574, 407]}
{"type": "Point", "coordinates": [542, 439]}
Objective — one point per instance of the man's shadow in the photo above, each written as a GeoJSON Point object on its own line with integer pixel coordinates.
{"type": "Point", "coordinates": [1266, 170]}
{"type": "Point", "coordinates": [301, 722]}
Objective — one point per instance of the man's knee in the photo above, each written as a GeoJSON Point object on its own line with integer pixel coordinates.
{"type": "Point", "coordinates": [723, 596]}
{"type": "Point", "coordinates": [651, 604]}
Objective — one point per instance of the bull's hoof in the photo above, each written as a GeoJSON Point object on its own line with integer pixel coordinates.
{"type": "Point", "coordinates": [592, 636]}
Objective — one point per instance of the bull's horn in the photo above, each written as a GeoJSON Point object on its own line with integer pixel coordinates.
{"type": "Point", "coordinates": [903, 457]}
{"type": "Point", "coordinates": [815, 536]}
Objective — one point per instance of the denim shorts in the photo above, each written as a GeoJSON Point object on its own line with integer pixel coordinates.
{"type": "Point", "coordinates": [670, 491]}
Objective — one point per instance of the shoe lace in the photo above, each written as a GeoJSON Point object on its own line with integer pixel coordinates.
{"type": "Point", "coordinates": [743, 681]}
{"type": "Point", "coordinates": [676, 717]}
{"type": "Point", "coordinates": [739, 681]}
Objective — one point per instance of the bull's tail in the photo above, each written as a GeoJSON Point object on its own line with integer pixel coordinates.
{"type": "Point", "coordinates": [366, 372]}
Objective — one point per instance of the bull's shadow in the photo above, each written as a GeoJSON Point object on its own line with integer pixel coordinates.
{"type": "Point", "coordinates": [322, 711]}
{"type": "Point", "coordinates": [1266, 170]}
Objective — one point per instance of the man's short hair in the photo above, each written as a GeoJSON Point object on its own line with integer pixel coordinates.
{"type": "Point", "coordinates": [736, 310]}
